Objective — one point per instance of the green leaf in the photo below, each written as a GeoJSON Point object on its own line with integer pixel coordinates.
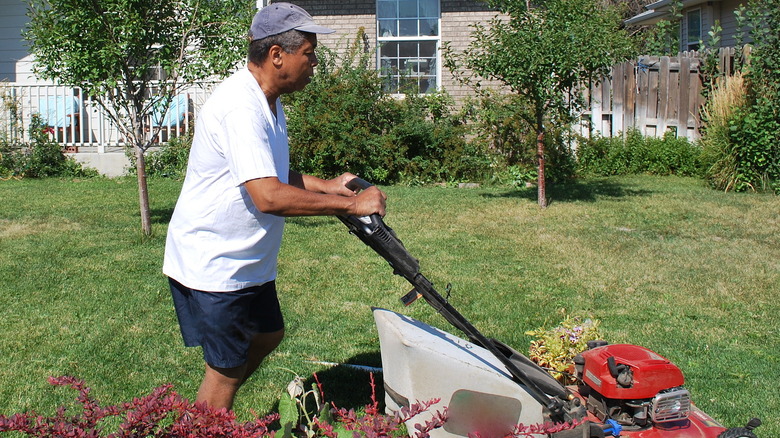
{"type": "Point", "coordinates": [288, 414]}
{"type": "Point", "coordinates": [342, 431]}
{"type": "Point", "coordinates": [325, 415]}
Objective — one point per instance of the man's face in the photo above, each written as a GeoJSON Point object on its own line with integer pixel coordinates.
{"type": "Point", "coordinates": [298, 67]}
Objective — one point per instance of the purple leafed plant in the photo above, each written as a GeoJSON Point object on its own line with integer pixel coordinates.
{"type": "Point", "coordinates": [161, 414]}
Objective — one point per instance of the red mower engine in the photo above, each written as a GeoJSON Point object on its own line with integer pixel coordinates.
{"type": "Point", "coordinates": [632, 385]}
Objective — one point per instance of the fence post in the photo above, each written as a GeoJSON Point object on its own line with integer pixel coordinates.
{"type": "Point", "coordinates": [663, 94]}
{"type": "Point", "coordinates": [684, 101]}
{"type": "Point", "coordinates": [595, 109]}
{"type": "Point", "coordinates": [618, 97]}
{"type": "Point", "coordinates": [630, 88]}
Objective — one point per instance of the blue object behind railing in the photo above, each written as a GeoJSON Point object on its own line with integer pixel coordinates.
{"type": "Point", "coordinates": [171, 115]}
{"type": "Point", "coordinates": [59, 111]}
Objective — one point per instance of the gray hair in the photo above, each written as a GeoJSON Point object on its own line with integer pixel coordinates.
{"type": "Point", "coordinates": [289, 41]}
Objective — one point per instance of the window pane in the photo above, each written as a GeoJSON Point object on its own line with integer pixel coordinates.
{"type": "Point", "coordinates": [407, 8]}
{"type": "Point", "coordinates": [429, 27]}
{"type": "Point", "coordinates": [427, 48]}
{"type": "Point", "coordinates": [407, 28]}
{"type": "Point", "coordinates": [388, 28]}
{"type": "Point", "coordinates": [387, 9]}
{"type": "Point", "coordinates": [429, 8]}
{"type": "Point", "coordinates": [694, 26]}
{"type": "Point", "coordinates": [408, 49]}
{"type": "Point", "coordinates": [389, 50]}
{"type": "Point", "coordinates": [428, 84]}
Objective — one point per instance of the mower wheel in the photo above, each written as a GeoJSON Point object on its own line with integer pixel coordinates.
{"type": "Point", "coordinates": [737, 432]}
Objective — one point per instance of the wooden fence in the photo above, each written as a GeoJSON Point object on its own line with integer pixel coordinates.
{"type": "Point", "coordinates": [651, 94]}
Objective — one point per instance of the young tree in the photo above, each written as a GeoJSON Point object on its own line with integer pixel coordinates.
{"type": "Point", "coordinates": [545, 53]}
{"type": "Point", "coordinates": [112, 49]}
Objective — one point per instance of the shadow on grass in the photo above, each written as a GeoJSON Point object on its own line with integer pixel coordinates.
{"type": "Point", "coordinates": [164, 215]}
{"type": "Point", "coordinates": [349, 387]}
{"type": "Point", "coordinates": [161, 215]}
{"type": "Point", "coordinates": [578, 191]}
{"type": "Point", "coordinates": [346, 386]}
{"type": "Point", "coordinates": [312, 221]}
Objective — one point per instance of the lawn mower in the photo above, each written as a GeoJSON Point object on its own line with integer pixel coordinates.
{"type": "Point", "coordinates": [489, 388]}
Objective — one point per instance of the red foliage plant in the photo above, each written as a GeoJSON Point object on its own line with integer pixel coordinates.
{"type": "Point", "coordinates": [161, 414]}
{"type": "Point", "coordinates": [165, 414]}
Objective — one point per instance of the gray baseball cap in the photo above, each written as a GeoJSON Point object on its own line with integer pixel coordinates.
{"type": "Point", "coordinates": [281, 17]}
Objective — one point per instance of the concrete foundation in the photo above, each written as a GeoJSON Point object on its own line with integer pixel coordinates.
{"type": "Point", "coordinates": [111, 164]}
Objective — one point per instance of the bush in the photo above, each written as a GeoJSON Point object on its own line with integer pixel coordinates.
{"type": "Point", "coordinates": [637, 154]}
{"type": "Point", "coordinates": [742, 133]}
{"type": "Point", "coordinates": [719, 161]}
{"type": "Point", "coordinates": [344, 121]}
{"type": "Point", "coordinates": [165, 414]}
{"type": "Point", "coordinates": [170, 160]}
{"type": "Point", "coordinates": [41, 157]}
{"type": "Point", "coordinates": [501, 121]}
{"type": "Point", "coordinates": [554, 349]}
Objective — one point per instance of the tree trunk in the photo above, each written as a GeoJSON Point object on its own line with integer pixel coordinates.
{"type": "Point", "coordinates": [143, 192]}
{"type": "Point", "coordinates": [540, 160]}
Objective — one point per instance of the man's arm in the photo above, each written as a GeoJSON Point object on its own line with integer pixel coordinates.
{"type": "Point", "coordinates": [310, 196]}
{"type": "Point", "coordinates": [335, 186]}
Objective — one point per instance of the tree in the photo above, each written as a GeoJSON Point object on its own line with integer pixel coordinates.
{"type": "Point", "coordinates": [544, 53]}
{"type": "Point", "coordinates": [115, 50]}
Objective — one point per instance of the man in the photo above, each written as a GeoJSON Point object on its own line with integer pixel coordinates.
{"type": "Point", "coordinates": [224, 236]}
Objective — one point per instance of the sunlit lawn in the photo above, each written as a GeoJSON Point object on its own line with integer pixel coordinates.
{"type": "Point", "coordinates": [662, 262]}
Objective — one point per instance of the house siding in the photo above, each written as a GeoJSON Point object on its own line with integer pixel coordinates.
{"type": "Point", "coordinates": [12, 46]}
{"type": "Point", "coordinates": [723, 12]}
{"type": "Point", "coordinates": [728, 22]}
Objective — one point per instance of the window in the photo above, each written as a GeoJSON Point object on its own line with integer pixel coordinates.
{"type": "Point", "coordinates": [408, 39]}
{"type": "Point", "coordinates": [693, 19]}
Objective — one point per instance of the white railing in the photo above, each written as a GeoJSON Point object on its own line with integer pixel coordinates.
{"type": "Point", "coordinates": [77, 121]}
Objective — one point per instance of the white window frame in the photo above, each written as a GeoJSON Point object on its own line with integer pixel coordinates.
{"type": "Point", "coordinates": [412, 38]}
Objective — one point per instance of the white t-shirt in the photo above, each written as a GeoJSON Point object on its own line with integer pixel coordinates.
{"type": "Point", "coordinates": [217, 239]}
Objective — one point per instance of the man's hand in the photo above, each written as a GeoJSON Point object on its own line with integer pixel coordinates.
{"type": "Point", "coordinates": [367, 202]}
{"type": "Point", "coordinates": [370, 201]}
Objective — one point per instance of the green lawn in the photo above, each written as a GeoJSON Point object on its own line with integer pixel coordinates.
{"type": "Point", "coordinates": [662, 262]}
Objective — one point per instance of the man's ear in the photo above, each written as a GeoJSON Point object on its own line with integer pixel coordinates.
{"type": "Point", "coordinates": [275, 55]}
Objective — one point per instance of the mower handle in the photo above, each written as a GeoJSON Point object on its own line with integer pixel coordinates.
{"type": "Point", "coordinates": [373, 221]}
{"type": "Point", "coordinates": [377, 235]}
{"type": "Point", "coordinates": [358, 183]}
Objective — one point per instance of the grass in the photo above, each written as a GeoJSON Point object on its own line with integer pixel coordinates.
{"type": "Point", "coordinates": [665, 263]}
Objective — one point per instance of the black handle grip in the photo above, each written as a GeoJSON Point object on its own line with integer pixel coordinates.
{"type": "Point", "coordinates": [369, 223]}
{"type": "Point", "coordinates": [358, 183]}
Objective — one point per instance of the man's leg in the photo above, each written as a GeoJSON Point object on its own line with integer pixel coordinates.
{"type": "Point", "coordinates": [220, 385]}
{"type": "Point", "coordinates": [262, 345]}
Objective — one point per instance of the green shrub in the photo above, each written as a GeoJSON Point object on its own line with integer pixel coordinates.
{"type": "Point", "coordinates": [742, 135]}
{"type": "Point", "coordinates": [756, 153]}
{"type": "Point", "coordinates": [344, 121]}
{"type": "Point", "coordinates": [637, 154]}
{"type": "Point", "coordinates": [41, 157]}
{"type": "Point", "coordinates": [502, 122]}
{"type": "Point", "coordinates": [170, 160]}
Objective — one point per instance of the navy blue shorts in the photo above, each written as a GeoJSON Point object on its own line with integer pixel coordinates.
{"type": "Point", "coordinates": [224, 323]}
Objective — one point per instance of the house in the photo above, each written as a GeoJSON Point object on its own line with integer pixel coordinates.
{"type": "Point", "coordinates": [406, 37]}
{"type": "Point", "coordinates": [12, 46]}
{"type": "Point", "coordinates": [698, 18]}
